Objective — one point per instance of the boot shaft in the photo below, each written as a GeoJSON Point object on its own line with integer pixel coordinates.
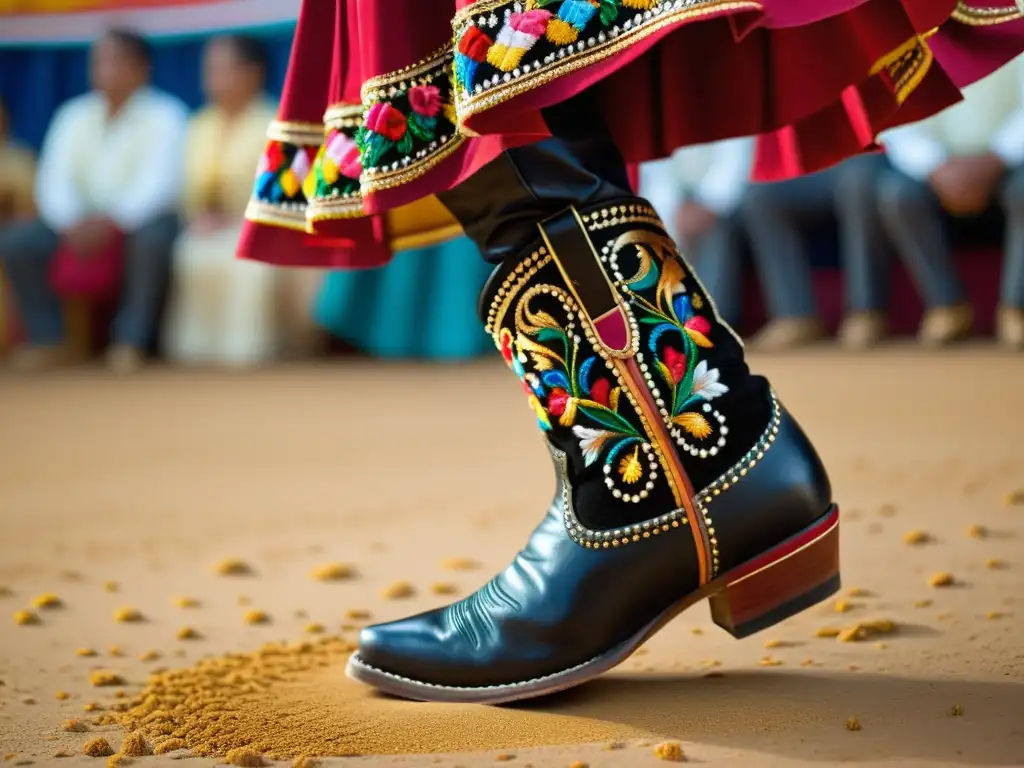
{"type": "Point", "coordinates": [630, 373]}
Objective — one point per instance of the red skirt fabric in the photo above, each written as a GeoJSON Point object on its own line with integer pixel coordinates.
{"type": "Point", "coordinates": [390, 101]}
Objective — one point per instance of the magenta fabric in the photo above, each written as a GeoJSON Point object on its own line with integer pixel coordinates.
{"type": "Point", "coordinates": [96, 278]}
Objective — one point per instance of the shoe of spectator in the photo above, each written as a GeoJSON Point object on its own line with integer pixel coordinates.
{"type": "Point", "coordinates": [862, 330]}
{"type": "Point", "coordinates": [34, 359]}
{"type": "Point", "coordinates": [787, 333]}
{"type": "Point", "coordinates": [124, 359]}
{"type": "Point", "coordinates": [1010, 327]}
{"type": "Point", "coordinates": [946, 325]}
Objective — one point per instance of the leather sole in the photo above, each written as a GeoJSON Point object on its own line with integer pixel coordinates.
{"type": "Point", "coordinates": [784, 581]}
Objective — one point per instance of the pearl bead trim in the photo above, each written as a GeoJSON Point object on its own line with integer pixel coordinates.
{"type": "Point", "coordinates": [618, 537]}
{"type": "Point", "coordinates": [734, 474]}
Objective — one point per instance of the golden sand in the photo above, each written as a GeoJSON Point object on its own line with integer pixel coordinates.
{"type": "Point", "coordinates": [671, 751]}
{"type": "Point", "coordinates": [265, 695]}
{"type": "Point", "coordinates": [98, 747]}
{"type": "Point", "coordinates": [102, 678]}
{"type": "Point", "coordinates": [941, 580]}
{"type": "Point", "coordinates": [333, 572]}
{"type": "Point", "coordinates": [135, 745]}
{"type": "Point", "coordinates": [74, 725]}
{"type": "Point", "coordinates": [47, 600]}
{"type": "Point", "coordinates": [128, 615]}
{"type": "Point", "coordinates": [398, 590]}
{"type": "Point", "coordinates": [186, 602]}
{"type": "Point", "coordinates": [233, 567]}
{"type": "Point", "coordinates": [26, 618]}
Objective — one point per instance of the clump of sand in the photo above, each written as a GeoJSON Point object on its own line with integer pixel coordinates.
{"type": "Point", "coordinates": [671, 751]}
{"type": "Point", "coordinates": [233, 567]}
{"type": "Point", "coordinates": [135, 745]}
{"type": "Point", "coordinates": [128, 615]}
{"type": "Point", "coordinates": [47, 600]}
{"type": "Point", "coordinates": [26, 618]}
{"type": "Point", "coordinates": [459, 564]}
{"type": "Point", "coordinates": [98, 747]}
{"type": "Point", "coordinates": [102, 678]}
{"type": "Point", "coordinates": [398, 591]}
{"type": "Point", "coordinates": [333, 572]}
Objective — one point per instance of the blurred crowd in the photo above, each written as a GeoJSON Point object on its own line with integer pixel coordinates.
{"type": "Point", "coordinates": [964, 164]}
{"type": "Point", "coordinates": [134, 200]}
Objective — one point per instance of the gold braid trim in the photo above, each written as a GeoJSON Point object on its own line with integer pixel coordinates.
{"type": "Point", "coordinates": [300, 134]}
{"type": "Point", "coordinates": [987, 16]}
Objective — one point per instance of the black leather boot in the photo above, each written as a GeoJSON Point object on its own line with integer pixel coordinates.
{"type": "Point", "coordinates": [679, 475]}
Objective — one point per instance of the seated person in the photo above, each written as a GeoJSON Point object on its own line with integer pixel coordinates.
{"type": "Point", "coordinates": [959, 163]}
{"type": "Point", "coordinates": [222, 309]}
{"type": "Point", "coordinates": [109, 169]}
{"type": "Point", "coordinates": [776, 217]}
{"type": "Point", "coordinates": [17, 176]}
{"type": "Point", "coordinates": [696, 192]}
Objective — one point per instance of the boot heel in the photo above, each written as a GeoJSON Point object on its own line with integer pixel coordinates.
{"type": "Point", "coordinates": [782, 582]}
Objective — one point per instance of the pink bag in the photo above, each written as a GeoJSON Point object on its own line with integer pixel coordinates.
{"type": "Point", "coordinates": [95, 278]}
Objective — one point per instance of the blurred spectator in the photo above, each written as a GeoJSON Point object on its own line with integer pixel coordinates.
{"type": "Point", "coordinates": [696, 192]}
{"type": "Point", "coordinates": [108, 181]}
{"type": "Point", "coordinates": [960, 162]}
{"type": "Point", "coordinates": [776, 218]}
{"type": "Point", "coordinates": [17, 171]}
{"type": "Point", "coordinates": [222, 309]}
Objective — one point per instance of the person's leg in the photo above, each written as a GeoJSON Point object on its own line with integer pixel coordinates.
{"type": "Point", "coordinates": [1010, 321]}
{"type": "Point", "coordinates": [26, 251]}
{"type": "Point", "coordinates": [863, 250]}
{"type": "Point", "coordinates": [912, 217]}
{"type": "Point", "coordinates": [772, 215]}
{"type": "Point", "coordinates": [147, 271]}
{"type": "Point", "coordinates": [644, 397]}
{"type": "Point", "coordinates": [718, 263]}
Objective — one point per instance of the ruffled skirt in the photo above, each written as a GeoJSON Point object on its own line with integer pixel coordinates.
{"type": "Point", "coordinates": [388, 102]}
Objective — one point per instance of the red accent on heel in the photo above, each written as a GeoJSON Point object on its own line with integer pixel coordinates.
{"type": "Point", "coordinates": [785, 580]}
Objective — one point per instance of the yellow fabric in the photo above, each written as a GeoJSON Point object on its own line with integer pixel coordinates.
{"type": "Point", "coordinates": [421, 224]}
{"type": "Point", "coordinates": [221, 156]}
{"type": "Point", "coordinates": [17, 178]}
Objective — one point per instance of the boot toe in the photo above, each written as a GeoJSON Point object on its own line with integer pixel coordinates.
{"type": "Point", "coordinates": [407, 648]}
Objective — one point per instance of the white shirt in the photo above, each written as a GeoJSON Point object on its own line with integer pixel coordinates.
{"type": "Point", "coordinates": [128, 168]}
{"type": "Point", "coordinates": [714, 175]}
{"type": "Point", "coordinates": [989, 119]}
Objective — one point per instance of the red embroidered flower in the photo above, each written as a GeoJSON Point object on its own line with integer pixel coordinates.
{"type": "Point", "coordinates": [599, 391]}
{"type": "Point", "coordinates": [699, 324]}
{"type": "Point", "coordinates": [475, 44]}
{"type": "Point", "coordinates": [351, 164]}
{"type": "Point", "coordinates": [533, 23]}
{"type": "Point", "coordinates": [425, 100]}
{"type": "Point", "coordinates": [675, 361]}
{"type": "Point", "coordinates": [386, 120]}
{"type": "Point", "coordinates": [506, 345]}
{"type": "Point", "coordinates": [557, 401]}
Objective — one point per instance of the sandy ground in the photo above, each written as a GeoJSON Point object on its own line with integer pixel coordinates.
{"type": "Point", "coordinates": [149, 482]}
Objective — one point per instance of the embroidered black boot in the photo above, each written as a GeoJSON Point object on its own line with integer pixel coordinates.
{"type": "Point", "coordinates": [679, 476]}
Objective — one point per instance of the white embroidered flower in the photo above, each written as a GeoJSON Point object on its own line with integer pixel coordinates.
{"type": "Point", "coordinates": [591, 442]}
{"type": "Point", "coordinates": [706, 383]}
